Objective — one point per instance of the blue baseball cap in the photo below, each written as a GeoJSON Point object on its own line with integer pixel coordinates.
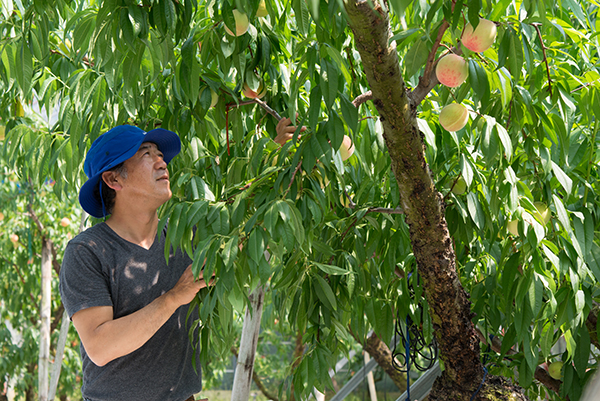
{"type": "Point", "coordinates": [111, 149]}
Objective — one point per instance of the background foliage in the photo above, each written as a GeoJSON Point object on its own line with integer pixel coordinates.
{"type": "Point", "coordinates": [339, 258]}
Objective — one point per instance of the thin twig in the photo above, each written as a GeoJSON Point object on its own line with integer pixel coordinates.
{"type": "Point", "coordinates": [260, 103]}
{"type": "Point", "coordinates": [386, 210]}
{"type": "Point", "coordinates": [536, 25]}
{"type": "Point", "coordinates": [424, 79]}
{"type": "Point", "coordinates": [292, 180]}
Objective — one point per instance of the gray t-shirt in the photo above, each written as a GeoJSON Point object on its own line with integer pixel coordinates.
{"type": "Point", "coordinates": [102, 269]}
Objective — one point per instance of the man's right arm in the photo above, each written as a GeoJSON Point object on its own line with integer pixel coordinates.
{"type": "Point", "coordinates": [106, 339]}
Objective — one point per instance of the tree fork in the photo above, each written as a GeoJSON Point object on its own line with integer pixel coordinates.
{"type": "Point", "coordinates": [422, 204]}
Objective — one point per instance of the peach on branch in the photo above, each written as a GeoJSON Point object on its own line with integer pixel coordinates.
{"type": "Point", "coordinates": [480, 39]}
{"type": "Point", "coordinates": [241, 24]}
{"type": "Point", "coordinates": [259, 93]}
{"type": "Point", "coordinates": [14, 238]}
{"type": "Point", "coordinates": [555, 369]}
{"type": "Point", "coordinates": [460, 187]}
{"type": "Point", "coordinates": [452, 70]}
{"type": "Point", "coordinates": [214, 98]}
{"type": "Point", "coordinates": [346, 148]}
{"type": "Point", "coordinates": [454, 117]}
{"type": "Point", "coordinates": [65, 222]}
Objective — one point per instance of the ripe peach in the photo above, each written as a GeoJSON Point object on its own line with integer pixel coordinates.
{"type": "Point", "coordinates": [454, 117]}
{"type": "Point", "coordinates": [347, 148]}
{"type": "Point", "coordinates": [65, 222]}
{"type": "Point", "coordinates": [14, 238]}
{"type": "Point", "coordinates": [480, 39]}
{"type": "Point", "coordinates": [241, 24]}
{"type": "Point", "coordinates": [452, 70]}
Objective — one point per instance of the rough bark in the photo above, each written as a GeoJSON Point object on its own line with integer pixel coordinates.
{"type": "Point", "coordinates": [422, 204]}
{"type": "Point", "coordinates": [383, 355]}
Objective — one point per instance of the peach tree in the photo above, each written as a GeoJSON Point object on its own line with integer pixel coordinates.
{"type": "Point", "coordinates": [347, 246]}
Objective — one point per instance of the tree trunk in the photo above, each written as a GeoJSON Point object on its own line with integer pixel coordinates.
{"type": "Point", "coordinates": [297, 358]}
{"type": "Point", "coordinates": [449, 303]}
{"type": "Point", "coordinates": [45, 312]}
{"type": "Point", "coordinates": [245, 363]}
{"type": "Point", "coordinates": [58, 357]}
{"type": "Point", "coordinates": [263, 389]}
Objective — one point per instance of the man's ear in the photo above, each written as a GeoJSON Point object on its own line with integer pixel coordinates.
{"type": "Point", "coordinates": [111, 178]}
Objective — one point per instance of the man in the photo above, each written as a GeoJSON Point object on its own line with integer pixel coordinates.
{"type": "Point", "coordinates": [128, 305]}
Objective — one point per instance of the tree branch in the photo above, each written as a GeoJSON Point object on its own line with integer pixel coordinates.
{"type": "Point", "coordinates": [292, 180]}
{"type": "Point", "coordinates": [360, 99]}
{"type": "Point", "coordinates": [383, 355]}
{"type": "Point", "coordinates": [429, 80]}
{"type": "Point", "coordinates": [262, 104]}
{"type": "Point", "coordinates": [536, 25]}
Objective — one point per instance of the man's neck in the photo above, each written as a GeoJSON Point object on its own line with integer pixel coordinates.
{"type": "Point", "coordinates": [138, 228]}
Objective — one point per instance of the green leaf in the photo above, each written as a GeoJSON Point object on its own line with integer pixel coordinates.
{"type": "Point", "coordinates": [515, 55]}
{"type": "Point", "coordinates": [475, 210]}
{"type": "Point", "coordinates": [302, 15]}
{"type": "Point", "coordinates": [563, 217]}
{"type": "Point", "coordinates": [563, 179]}
{"type": "Point", "coordinates": [416, 57]}
{"type": "Point", "coordinates": [256, 245]}
{"type": "Point", "coordinates": [25, 71]}
{"type": "Point", "coordinates": [170, 14]}
{"type": "Point", "coordinates": [331, 269]}
{"type": "Point", "coordinates": [324, 292]}
{"type": "Point", "coordinates": [350, 113]}
{"type": "Point", "coordinates": [547, 339]}
{"type": "Point", "coordinates": [505, 140]}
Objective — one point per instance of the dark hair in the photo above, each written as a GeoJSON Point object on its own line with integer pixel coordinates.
{"type": "Point", "coordinates": [109, 194]}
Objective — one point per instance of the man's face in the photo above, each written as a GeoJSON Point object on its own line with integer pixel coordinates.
{"type": "Point", "coordinates": [147, 179]}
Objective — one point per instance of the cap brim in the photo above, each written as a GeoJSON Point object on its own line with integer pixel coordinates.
{"type": "Point", "coordinates": [167, 142]}
{"type": "Point", "coordinates": [90, 203]}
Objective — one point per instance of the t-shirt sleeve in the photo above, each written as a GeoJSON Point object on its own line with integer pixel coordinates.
{"type": "Point", "coordinates": [83, 284]}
